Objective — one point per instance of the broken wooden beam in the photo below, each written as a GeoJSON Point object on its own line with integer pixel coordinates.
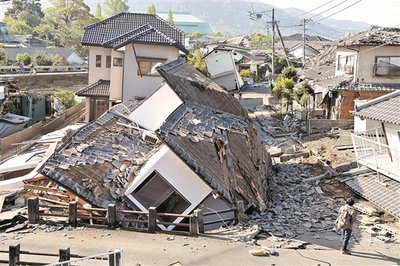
{"type": "Point", "coordinates": [33, 210]}
{"type": "Point", "coordinates": [287, 157]}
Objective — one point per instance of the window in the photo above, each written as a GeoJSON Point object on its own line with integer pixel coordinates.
{"type": "Point", "coordinates": [147, 66]}
{"type": "Point", "coordinates": [117, 61]}
{"type": "Point", "coordinates": [387, 66]}
{"type": "Point", "coordinates": [108, 61]}
{"type": "Point", "coordinates": [346, 64]}
{"type": "Point", "coordinates": [157, 192]}
{"type": "Point", "coordinates": [98, 60]}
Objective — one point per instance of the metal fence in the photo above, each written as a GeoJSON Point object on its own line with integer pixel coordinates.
{"type": "Point", "coordinates": [112, 258]}
{"type": "Point", "coordinates": [16, 257]}
{"type": "Point", "coordinates": [44, 69]}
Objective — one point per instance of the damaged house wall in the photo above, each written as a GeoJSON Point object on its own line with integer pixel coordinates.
{"type": "Point", "coordinates": [152, 113]}
{"type": "Point", "coordinates": [178, 175]}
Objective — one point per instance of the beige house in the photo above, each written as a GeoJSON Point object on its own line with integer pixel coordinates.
{"type": "Point", "coordinates": [124, 51]}
{"type": "Point", "coordinates": [362, 67]}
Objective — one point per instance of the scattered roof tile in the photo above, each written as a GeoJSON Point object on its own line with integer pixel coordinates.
{"type": "Point", "coordinates": [100, 159]}
{"type": "Point", "coordinates": [375, 36]}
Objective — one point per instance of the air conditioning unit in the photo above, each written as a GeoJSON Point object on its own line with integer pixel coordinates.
{"type": "Point", "coordinates": [149, 137]}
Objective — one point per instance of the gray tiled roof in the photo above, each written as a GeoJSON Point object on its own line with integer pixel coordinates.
{"type": "Point", "coordinates": [100, 88]}
{"type": "Point", "coordinates": [374, 37]}
{"type": "Point", "coordinates": [385, 109]}
{"type": "Point", "coordinates": [192, 132]}
{"type": "Point", "coordinates": [102, 158]}
{"type": "Point", "coordinates": [133, 27]}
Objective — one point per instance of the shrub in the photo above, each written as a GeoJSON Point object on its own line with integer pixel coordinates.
{"type": "Point", "coordinates": [246, 73]}
{"type": "Point", "coordinates": [25, 57]}
{"type": "Point", "coordinates": [66, 97]}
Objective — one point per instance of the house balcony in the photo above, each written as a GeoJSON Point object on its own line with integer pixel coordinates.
{"type": "Point", "coordinates": [373, 152]}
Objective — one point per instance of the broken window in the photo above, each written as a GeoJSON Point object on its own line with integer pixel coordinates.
{"type": "Point", "coordinates": [387, 66]}
{"type": "Point", "coordinates": [98, 60]}
{"type": "Point", "coordinates": [155, 191]}
{"type": "Point", "coordinates": [147, 66]}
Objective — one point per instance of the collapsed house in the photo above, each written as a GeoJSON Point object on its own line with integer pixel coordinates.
{"type": "Point", "coordinates": [188, 145]}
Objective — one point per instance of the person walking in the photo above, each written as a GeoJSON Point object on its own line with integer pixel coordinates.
{"type": "Point", "coordinates": [345, 220]}
{"type": "Point", "coordinates": [32, 69]}
{"type": "Point", "coordinates": [21, 67]}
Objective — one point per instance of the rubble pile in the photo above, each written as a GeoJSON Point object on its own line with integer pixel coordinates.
{"type": "Point", "coordinates": [303, 206]}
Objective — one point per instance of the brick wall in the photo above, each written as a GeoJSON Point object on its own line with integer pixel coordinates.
{"type": "Point", "coordinates": [347, 105]}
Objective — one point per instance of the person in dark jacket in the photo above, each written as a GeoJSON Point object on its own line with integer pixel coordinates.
{"type": "Point", "coordinates": [345, 221]}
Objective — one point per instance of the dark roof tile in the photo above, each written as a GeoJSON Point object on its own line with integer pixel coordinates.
{"type": "Point", "coordinates": [100, 88]}
{"type": "Point", "coordinates": [385, 109]}
{"type": "Point", "coordinates": [124, 28]}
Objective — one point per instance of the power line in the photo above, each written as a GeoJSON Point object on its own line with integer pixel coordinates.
{"type": "Point", "coordinates": [315, 8]}
{"type": "Point", "coordinates": [328, 9]}
{"type": "Point", "coordinates": [340, 10]}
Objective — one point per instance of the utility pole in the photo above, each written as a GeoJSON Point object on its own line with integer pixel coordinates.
{"type": "Point", "coordinates": [305, 21]}
{"type": "Point", "coordinates": [273, 42]}
{"type": "Point", "coordinates": [283, 44]}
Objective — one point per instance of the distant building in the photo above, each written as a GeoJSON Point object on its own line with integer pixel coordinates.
{"type": "Point", "coordinates": [71, 56]}
{"type": "Point", "coordinates": [187, 22]}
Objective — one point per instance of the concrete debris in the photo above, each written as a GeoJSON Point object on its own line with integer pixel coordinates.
{"type": "Point", "coordinates": [259, 252]}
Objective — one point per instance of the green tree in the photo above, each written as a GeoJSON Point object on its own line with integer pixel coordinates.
{"type": "Point", "coordinates": [3, 57]}
{"type": "Point", "coordinates": [283, 91]}
{"type": "Point", "coordinates": [303, 93]}
{"type": "Point", "coordinates": [68, 12]}
{"type": "Point", "coordinates": [17, 26]}
{"type": "Point", "coordinates": [290, 73]}
{"type": "Point", "coordinates": [31, 6]}
{"type": "Point", "coordinates": [44, 32]}
{"type": "Point", "coordinates": [151, 9]}
{"type": "Point", "coordinates": [68, 18]}
{"type": "Point", "coordinates": [260, 41]}
{"type": "Point", "coordinates": [196, 59]}
{"type": "Point", "coordinates": [195, 36]}
{"type": "Point", "coordinates": [170, 18]}
{"type": "Point", "coordinates": [97, 12]}
{"type": "Point", "coordinates": [66, 98]}
{"type": "Point", "coordinates": [113, 7]}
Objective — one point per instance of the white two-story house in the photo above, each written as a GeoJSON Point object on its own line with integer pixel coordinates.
{"type": "Point", "coordinates": [124, 51]}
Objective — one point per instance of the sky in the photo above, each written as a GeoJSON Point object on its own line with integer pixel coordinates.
{"type": "Point", "coordinates": [375, 12]}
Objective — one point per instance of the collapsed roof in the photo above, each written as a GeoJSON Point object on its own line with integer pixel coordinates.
{"type": "Point", "coordinates": [210, 132]}
{"type": "Point", "coordinates": [375, 36]}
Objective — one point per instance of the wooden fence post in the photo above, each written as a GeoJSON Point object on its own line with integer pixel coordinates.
{"type": "Point", "coordinates": [240, 211]}
{"type": "Point", "coordinates": [65, 255]}
{"type": "Point", "coordinates": [13, 255]}
{"type": "Point", "coordinates": [200, 220]}
{"type": "Point", "coordinates": [72, 214]}
{"type": "Point", "coordinates": [193, 226]}
{"type": "Point", "coordinates": [152, 223]}
{"type": "Point", "coordinates": [33, 210]}
{"type": "Point", "coordinates": [111, 216]}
